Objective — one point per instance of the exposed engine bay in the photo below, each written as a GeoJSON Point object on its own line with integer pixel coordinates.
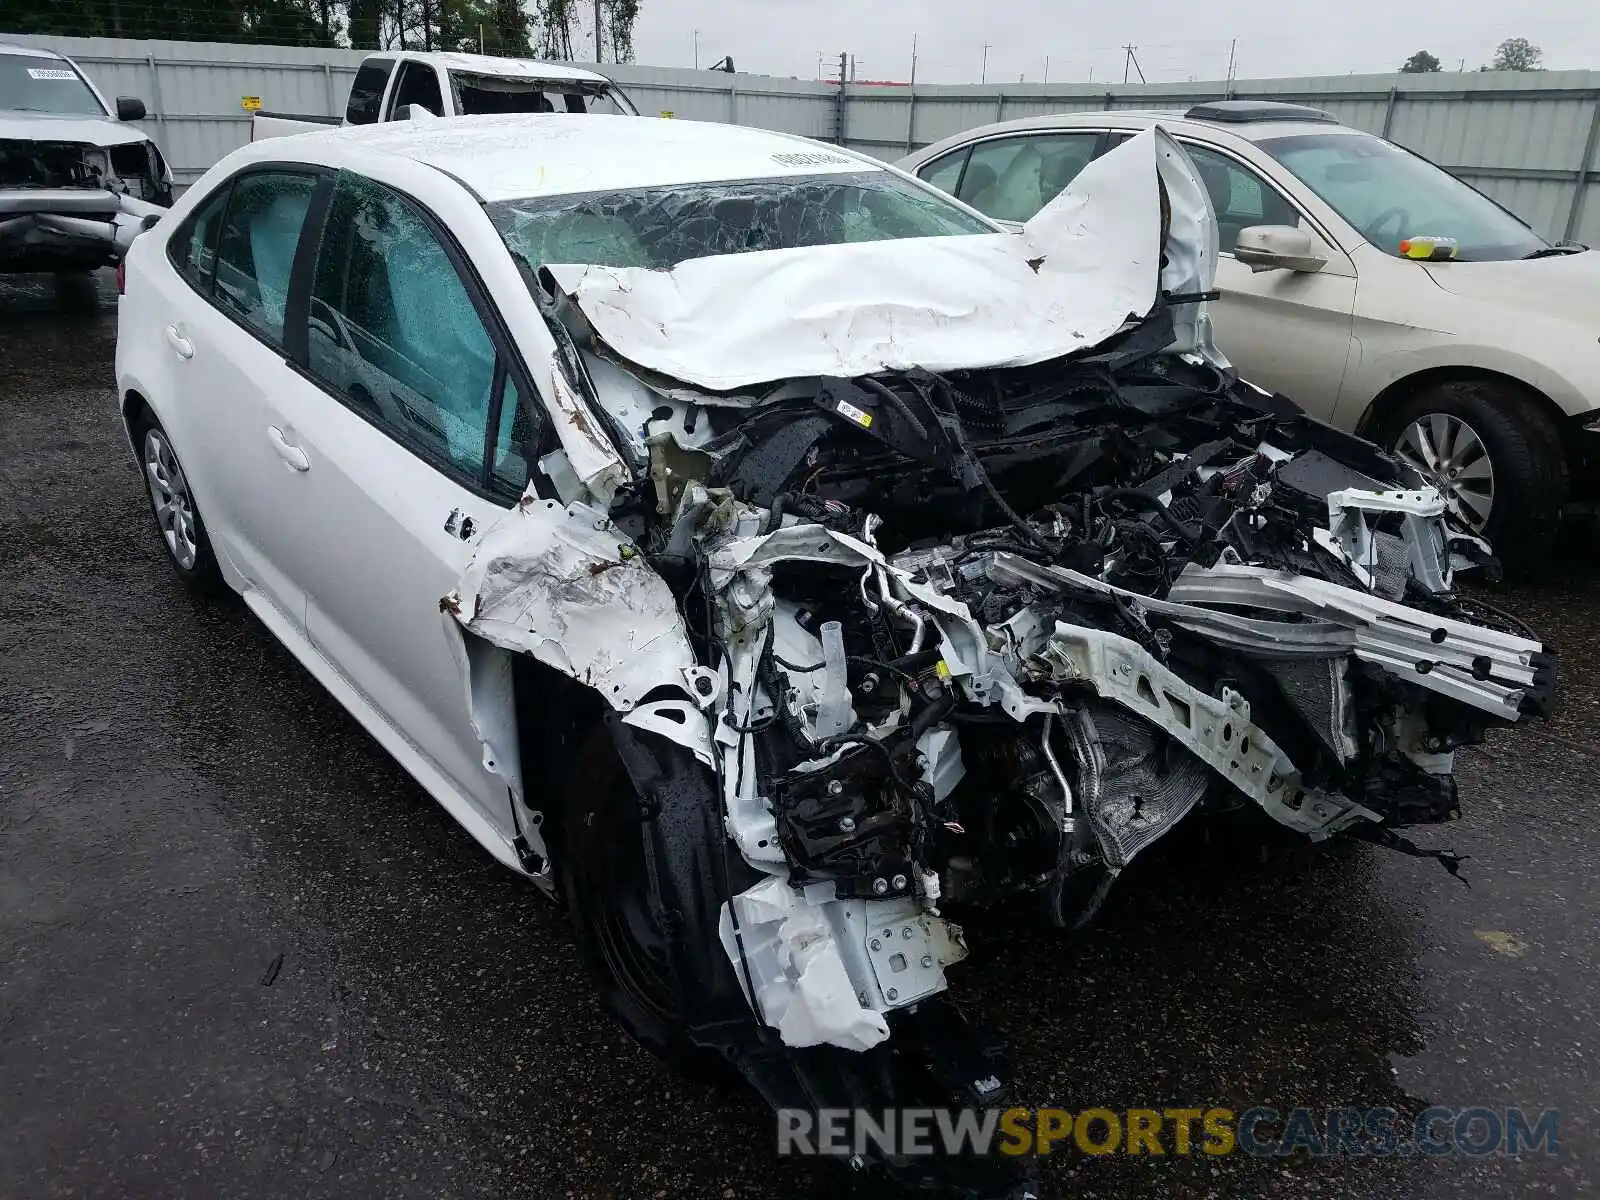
{"type": "Point", "coordinates": [957, 638]}
{"type": "Point", "coordinates": [67, 205]}
{"type": "Point", "coordinates": [134, 168]}
{"type": "Point", "coordinates": [990, 635]}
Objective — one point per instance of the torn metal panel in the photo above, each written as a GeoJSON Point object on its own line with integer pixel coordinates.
{"type": "Point", "coordinates": [590, 455]}
{"type": "Point", "coordinates": [492, 710]}
{"type": "Point", "coordinates": [1086, 264]}
{"type": "Point", "coordinates": [565, 586]}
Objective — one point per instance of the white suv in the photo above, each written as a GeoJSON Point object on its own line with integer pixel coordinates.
{"type": "Point", "coordinates": [1370, 286]}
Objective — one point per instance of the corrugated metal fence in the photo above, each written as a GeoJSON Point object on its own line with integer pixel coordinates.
{"type": "Point", "coordinates": [1532, 141]}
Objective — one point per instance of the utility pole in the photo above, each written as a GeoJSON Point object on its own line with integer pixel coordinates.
{"type": "Point", "coordinates": [696, 49]}
{"type": "Point", "coordinates": [1233, 50]}
{"type": "Point", "coordinates": [599, 44]}
{"type": "Point", "coordinates": [913, 60]}
{"type": "Point", "coordinates": [819, 64]}
{"type": "Point", "coordinates": [1132, 59]}
{"type": "Point", "coordinates": [1047, 68]}
{"type": "Point", "coordinates": [840, 99]}
{"type": "Point", "coordinates": [983, 74]}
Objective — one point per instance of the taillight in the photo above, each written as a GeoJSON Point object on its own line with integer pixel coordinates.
{"type": "Point", "coordinates": [122, 278]}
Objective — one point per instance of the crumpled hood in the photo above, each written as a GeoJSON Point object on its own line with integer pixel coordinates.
{"type": "Point", "coordinates": [1566, 286]}
{"type": "Point", "coordinates": [1085, 265]}
{"type": "Point", "coordinates": [48, 127]}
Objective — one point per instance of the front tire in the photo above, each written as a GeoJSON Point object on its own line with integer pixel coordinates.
{"type": "Point", "coordinates": [641, 876]}
{"type": "Point", "coordinates": [1495, 455]}
{"type": "Point", "coordinates": [177, 518]}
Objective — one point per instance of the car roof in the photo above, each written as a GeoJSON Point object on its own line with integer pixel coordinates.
{"type": "Point", "coordinates": [30, 51]}
{"type": "Point", "coordinates": [551, 154]}
{"type": "Point", "coordinates": [1173, 121]}
{"type": "Point", "coordinates": [511, 68]}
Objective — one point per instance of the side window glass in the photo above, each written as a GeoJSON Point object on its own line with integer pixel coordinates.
{"type": "Point", "coordinates": [255, 252]}
{"type": "Point", "coordinates": [515, 446]}
{"type": "Point", "coordinates": [944, 173]}
{"type": "Point", "coordinates": [366, 93]}
{"type": "Point", "coordinates": [393, 329]}
{"type": "Point", "coordinates": [194, 249]}
{"type": "Point", "coordinates": [1010, 179]}
{"type": "Point", "coordinates": [419, 84]}
{"type": "Point", "coordinates": [1240, 196]}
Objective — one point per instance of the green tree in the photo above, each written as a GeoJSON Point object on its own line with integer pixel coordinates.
{"type": "Point", "coordinates": [620, 18]}
{"type": "Point", "coordinates": [1420, 63]}
{"type": "Point", "coordinates": [1516, 54]}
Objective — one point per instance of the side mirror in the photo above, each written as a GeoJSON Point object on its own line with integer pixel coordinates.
{"type": "Point", "coordinates": [130, 108]}
{"type": "Point", "coordinates": [415, 112]}
{"type": "Point", "coordinates": [1279, 248]}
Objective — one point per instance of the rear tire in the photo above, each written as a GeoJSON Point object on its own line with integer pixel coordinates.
{"type": "Point", "coordinates": [177, 518]}
{"type": "Point", "coordinates": [1495, 454]}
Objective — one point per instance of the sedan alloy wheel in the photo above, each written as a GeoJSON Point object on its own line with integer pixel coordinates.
{"type": "Point", "coordinates": [1453, 458]}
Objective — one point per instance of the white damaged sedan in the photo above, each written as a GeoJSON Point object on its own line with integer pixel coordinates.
{"type": "Point", "coordinates": [774, 559]}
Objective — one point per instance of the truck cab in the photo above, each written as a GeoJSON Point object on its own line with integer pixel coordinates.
{"type": "Point", "coordinates": [402, 85]}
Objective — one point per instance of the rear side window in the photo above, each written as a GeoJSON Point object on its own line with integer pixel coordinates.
{"type": "Point", "coordinates": [394, 332]}
{"type": "Point", "coordinates": [255, 252]}
{"type": "Point", "coordinates": [418, 84]}
{"type": "Point", "coordinates": [366, 93]}
{"type": "Point", "coordinates": [1010, 179]}
{"type": "Point", "coordinates": [945, 173]}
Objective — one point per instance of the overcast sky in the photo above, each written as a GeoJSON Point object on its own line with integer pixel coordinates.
{"type": "Point", "coordinates": [1175, 40]}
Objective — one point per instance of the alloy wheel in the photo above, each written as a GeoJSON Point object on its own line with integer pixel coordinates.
{"type": "Point", "coordinates": [169, 495]}
{"type": "Point", "coordinates": [1453, 458]}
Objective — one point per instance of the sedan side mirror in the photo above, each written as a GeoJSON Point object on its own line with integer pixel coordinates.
{"type": "Point", "coordinates": [130, 108]}
{"type": "Point", "coordinates": [1279, 248]}
{"type": "Point", "coordinates": [415, 112]}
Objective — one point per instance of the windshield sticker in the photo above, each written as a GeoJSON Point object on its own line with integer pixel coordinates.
{"type": "Point", "coordinates": [49, 73]}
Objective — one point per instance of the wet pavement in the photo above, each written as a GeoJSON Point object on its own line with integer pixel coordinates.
{"type": "Point", "coordinates": [242, 954]}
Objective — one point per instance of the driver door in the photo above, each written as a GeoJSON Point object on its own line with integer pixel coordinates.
{"type": "Point", "coordinates": [413, 440]}
{"type": "Point", "coordinates": [1286, 331]}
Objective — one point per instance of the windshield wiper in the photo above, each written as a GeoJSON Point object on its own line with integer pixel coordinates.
{"type": "Point", "coordinates": [1552, 251]}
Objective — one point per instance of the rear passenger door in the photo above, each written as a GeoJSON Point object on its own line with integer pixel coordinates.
{"type": "Point", "coordinates": [418, 431]}
{"type": "Point", "coordinates": [225, 334]}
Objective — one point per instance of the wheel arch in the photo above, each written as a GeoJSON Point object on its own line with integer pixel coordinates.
{"type": "Point", "coordinates": [1384, 402]}
{"type": "Point", "coordinates": [133, 403]}
{"type": "Point", "coordinates": [555, 717]}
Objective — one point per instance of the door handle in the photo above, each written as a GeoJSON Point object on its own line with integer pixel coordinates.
{"type": "Point", "coordinates": [294, 457]}
{"type": "Point", "coordinates": [181, 344]}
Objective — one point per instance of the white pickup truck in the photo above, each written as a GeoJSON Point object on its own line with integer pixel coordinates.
{"type": "Point", "coordinates": [391, 87]}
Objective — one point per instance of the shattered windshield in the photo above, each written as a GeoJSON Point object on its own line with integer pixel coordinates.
{"type": "Point", "coordinates": [45, 85]}
{"type": "Point", "coordinates": [479, 95]}
{"type": "Point", "coordinates": [661, 227]}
